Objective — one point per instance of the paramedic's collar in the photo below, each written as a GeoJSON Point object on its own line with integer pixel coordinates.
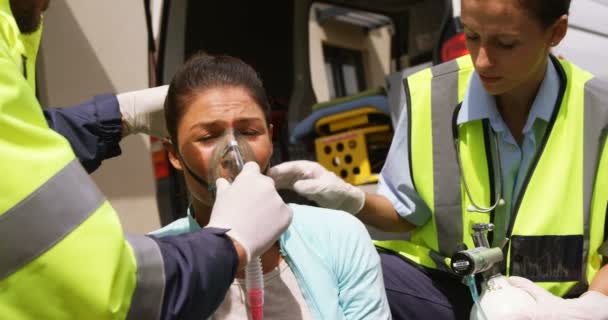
{"type": "Point", "coordinates": [478, 104]}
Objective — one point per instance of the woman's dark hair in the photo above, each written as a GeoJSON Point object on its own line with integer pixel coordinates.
{"type": "Point", "coordinates": [203, 71]}
{"type": "Point", "coordinates": [546, 11]}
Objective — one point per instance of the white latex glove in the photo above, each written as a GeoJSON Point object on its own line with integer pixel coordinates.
{"type": "Point", "coordinates": [142, 111]}
{"type": "Point", "coordinates": [252, 209]}
{"type": "Point", "coordinates": [318, 184]}
{"type": "Point", "coordinates": [591, 305]}
{"type": "Point", "coordinates": [495, 291]}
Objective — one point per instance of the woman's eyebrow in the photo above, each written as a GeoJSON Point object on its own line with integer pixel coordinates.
{"type": "Point", "coordinates": [249, 119]}
{"type": "Point", "coordinates": [207, 125]}
{"type": "Point", "coordinates": [498, 34]}
{"type": "Point", "coordinates": [465, 26]}
{"type": "Point", "coordinates": [219, 124]}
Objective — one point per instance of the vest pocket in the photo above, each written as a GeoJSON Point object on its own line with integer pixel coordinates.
{"type": "Point", "coordinates": [547, 258]}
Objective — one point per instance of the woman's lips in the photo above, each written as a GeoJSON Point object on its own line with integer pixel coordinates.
{"type": "Point", "coordinates": [489, 79]}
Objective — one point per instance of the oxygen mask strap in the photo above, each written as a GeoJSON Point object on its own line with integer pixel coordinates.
{"type": "Point", "coordinates": [191, 172]}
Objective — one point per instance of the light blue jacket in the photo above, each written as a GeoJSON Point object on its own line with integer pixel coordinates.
{"type": "Point", "coordinates": [333, 259]}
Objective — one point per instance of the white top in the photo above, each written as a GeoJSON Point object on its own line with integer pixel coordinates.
{"type": "Point", "coordinates": [282, 298]}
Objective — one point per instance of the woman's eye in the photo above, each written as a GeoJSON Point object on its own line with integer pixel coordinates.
{"type": "Point", "coordinates": [471, 37]}
{"type": "Point", "coordinates": [206, 138]}
{"type": "Point", "coordinates": [507, 45]}
{"type": "Point", "coordinates": [250, 132]}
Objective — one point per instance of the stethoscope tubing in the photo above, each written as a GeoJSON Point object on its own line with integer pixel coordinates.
{"type": "Point", "coordinates": [474, 207]}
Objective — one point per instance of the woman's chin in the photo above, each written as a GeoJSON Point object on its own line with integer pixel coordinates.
{"type": "Point", "coordinates": [494, 89]}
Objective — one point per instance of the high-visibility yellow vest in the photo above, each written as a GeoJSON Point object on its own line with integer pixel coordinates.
{"type": "Point", "coordinates": [557, 224]}
{"type": "Point", "coordinates": [62, 250]}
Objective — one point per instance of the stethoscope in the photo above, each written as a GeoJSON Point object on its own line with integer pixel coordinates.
{"type": "Point", "coordinates": [474, 207]}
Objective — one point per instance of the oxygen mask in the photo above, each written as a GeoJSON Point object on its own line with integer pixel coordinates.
{"type": "Point", "coordinates": [228, 158]}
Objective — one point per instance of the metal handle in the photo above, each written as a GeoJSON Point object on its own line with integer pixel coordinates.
{"type": "Point", "coordinates": [479, 234]}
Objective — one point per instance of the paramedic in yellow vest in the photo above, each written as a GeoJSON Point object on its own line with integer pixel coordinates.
{"type": "Point", "coordinates": [509, 135]}
{"type": "Point", "coordinates": [63, 254]}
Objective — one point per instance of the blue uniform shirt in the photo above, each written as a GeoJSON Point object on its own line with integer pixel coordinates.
{"type": "Point", "coordinates": [93, 128]}
{"type": "Point", "coordinates": [396, 183]}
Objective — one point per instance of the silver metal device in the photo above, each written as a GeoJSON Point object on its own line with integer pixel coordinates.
{"type": "Point", "coordinates": [479, 259]}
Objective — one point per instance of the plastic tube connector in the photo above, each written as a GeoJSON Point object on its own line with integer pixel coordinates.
{"type": "Point", "coordinates": [254, 283]}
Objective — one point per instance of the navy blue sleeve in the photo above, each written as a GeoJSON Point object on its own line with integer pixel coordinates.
{"type": "Point", "coordinates": [93, 128]}
{"type": "Point", "coordinates": [199, 269]}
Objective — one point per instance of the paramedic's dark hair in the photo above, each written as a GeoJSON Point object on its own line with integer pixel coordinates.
{"type": "Point", "coordinates": [203, 71]}
{"type": "Point", "coordinates": [546, 11]}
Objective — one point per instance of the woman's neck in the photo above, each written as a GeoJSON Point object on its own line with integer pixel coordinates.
{"type": "Point", "coordinates": [270, 259]}
{"type": "Point", "coordinates": [514, 106]}
{"type": "Point", "coordinates": [202, 212]}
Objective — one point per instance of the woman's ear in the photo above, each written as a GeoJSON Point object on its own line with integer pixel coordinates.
{"type": "Point", "coordinates": [270, 129]}
{"type": "Point", "coordinates": [559, 30]}
{"type": "Point", "coordinates": [173, 155]}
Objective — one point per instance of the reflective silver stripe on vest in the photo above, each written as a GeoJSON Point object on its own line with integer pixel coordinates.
{"type": "Point", "coordinates": [46, 216]}
{"type": "Point", "coordinates": [448, 208]}
{"type": "Point", "coordinates": [147, 299]}
{"type": "Point", "coordinates": [596, 128]}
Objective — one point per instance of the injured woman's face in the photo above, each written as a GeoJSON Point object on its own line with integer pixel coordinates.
{"type": "Point", "coordinates": [210, 120]}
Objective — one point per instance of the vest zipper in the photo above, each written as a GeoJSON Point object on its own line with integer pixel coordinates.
{"type": "Point", "coordinates": [24, 61]}
{"type": "Point", "coordinates": [491, 173]}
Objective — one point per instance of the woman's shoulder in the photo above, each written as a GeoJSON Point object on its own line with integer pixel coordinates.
{"type": "Point", "coordinates": [336, 236]}
{"type": "Point", "coordinates": [324, 221]}
{"type": "Point", "coordinates": [312, 213]}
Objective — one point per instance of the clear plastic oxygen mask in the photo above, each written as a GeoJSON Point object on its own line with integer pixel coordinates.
{"type": "Point", "coordinates": [228, 158]}
{"type": "Point", "coordinates": [227, 161]}
{"type": "Point", "coordinates": [232, 160]}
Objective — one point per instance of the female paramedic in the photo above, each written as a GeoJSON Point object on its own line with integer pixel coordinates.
{"type": "Point", "coordinates": [63, 254]}
{"type": "Point", "coordinates": [508, 135]}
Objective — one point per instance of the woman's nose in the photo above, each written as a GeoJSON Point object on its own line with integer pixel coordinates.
{"type": "Point", "coordinates": [483, 60]}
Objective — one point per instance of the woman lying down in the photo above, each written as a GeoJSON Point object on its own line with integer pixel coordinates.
{"type": "Point", "coordinates": [325, 265]}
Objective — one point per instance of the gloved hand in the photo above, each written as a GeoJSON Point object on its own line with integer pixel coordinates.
{"type": "Point", "coordinates": [591, 305]}
{"type": "Point", "coordinates": [252, 209]}
{"type": "Point", "coordinates": [142, 111]}
{"type": "Point", "coordinates": [318, 184]}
